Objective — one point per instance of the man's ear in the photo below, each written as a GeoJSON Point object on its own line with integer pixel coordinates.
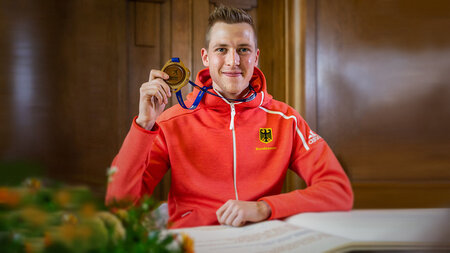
{"type": "Point", "coordinates": [205, 59]}
{"type": "Point", "coordinates": [257, 57]}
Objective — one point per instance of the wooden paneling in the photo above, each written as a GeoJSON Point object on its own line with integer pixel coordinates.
{"type": "Point", "coordinates": [62, 77]}
{"type": "Point", "coordinates": [392, 194]}
{"type": "Point", "coordinates": [295, 21]}
{"type": "Point", "coordinates": [141, 57]}
{"type": "Point", "coordinates": [26, 86]}
{"type": "Point", "coordinates": [271, 42]}
{"type": "Point", "coordinates": [382, 95]}
{"type": "Point", "coordinates": [147, 22]}
{"type": "Point", "coordinates": [310, 110]}
{"type": "Point", "coordinates": [182, 28]}
{"type": "Point", "coordinates": [242, 4]}
{"type": "Point", "coordinates": [199, 31]}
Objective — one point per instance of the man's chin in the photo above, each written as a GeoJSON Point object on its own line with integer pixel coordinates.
{"type": "Point", "coordinates": [234, 90]}
{"type": "Point", "coordinates": [236, 93]}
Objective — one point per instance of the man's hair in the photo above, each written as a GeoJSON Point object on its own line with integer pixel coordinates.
{"type": "Point", "coordinates": [228, 15]}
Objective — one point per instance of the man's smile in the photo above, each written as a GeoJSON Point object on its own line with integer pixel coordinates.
{"type": "Point", "coordinates": [232, 73]}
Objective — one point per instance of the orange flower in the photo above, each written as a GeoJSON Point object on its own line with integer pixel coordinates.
{"type": "Point", "coordinates": [28, 248]}
{"type": "Point", "coordinates": [188, 243]}
{"type": "Point", "coordinates": [47, 239]}
{"type": "Point", "coordinates": [88, 210]}
{"type": "Point", "coordinates": [121, 213]}
{"type": "Point", "coordinates": [9, 197]}
{"type": "Point", "coordinates": [34, 216]}
{"type": "Point", "coordinates": [62, 198]}
{"type": "Point", "coordinates": [68, 232]}
{"type": "Point", "coordinates": [69, 219]}
{"type": "Point", "coordinates": [33, 184]}
{"type": "Point", "coordinates": [34, 244]}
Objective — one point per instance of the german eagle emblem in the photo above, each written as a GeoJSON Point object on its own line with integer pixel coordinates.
{"type": "Point", "coordinates": [265, 135]}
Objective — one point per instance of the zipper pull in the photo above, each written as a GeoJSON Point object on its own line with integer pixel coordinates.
{"type": "Point", "coordinates": [233, 113]}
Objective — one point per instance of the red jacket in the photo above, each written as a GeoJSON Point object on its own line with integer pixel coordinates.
{"type": "Point", "coordinates": [222, 151]}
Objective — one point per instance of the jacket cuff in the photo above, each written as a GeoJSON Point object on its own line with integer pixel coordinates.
{"type": "Point", "coordinates": [272, 208]}
{"type": "Point", "coordinates": [283, 205]}
{"type": "Point", "coordinates": [154, 130]}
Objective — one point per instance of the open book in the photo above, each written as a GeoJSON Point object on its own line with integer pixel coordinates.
{"type": "Point", "coordinates": [402, 230]}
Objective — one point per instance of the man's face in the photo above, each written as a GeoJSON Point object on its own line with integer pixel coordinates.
{"type": "Point", "coordinates": [231, 57]}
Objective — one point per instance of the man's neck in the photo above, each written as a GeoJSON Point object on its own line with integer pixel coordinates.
{"type": "Point", "coordinates": [234, 96]}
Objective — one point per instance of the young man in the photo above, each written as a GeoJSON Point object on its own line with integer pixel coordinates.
{"type": "Point", "coordinates": [229, 156]}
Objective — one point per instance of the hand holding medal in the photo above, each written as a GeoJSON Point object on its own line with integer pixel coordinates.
{"type": "Point", "coordinates": [154, 96]}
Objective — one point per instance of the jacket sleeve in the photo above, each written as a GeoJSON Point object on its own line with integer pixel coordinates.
{"type": "Point", "coordinates": [328, 187]}
{"type": "Point", "coordinates": [139, 166]}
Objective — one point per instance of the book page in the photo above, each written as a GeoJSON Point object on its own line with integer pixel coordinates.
{"type": "Point", "coordinates": [268, 236]}
{"type": "Point", "coordinates": [395, 225]}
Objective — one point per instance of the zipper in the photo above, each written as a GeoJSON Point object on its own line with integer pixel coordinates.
{"type": "Point", "coordinates": [233, 114]}
{"type": "Point", "coordinates": [186, 213]}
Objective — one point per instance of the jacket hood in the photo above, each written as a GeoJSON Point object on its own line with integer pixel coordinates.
{"type": "Point", "coordinates": [258, 82]}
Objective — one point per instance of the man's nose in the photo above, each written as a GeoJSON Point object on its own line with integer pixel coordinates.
{"type": "Point", "coordinates": [233, 58]}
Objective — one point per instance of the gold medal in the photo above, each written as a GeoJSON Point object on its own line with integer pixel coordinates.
{"type": "Point", "coordinates": [178, 74]}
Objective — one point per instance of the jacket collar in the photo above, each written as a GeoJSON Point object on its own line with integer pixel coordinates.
{"type": "Point", "coordinates": [258, 82]}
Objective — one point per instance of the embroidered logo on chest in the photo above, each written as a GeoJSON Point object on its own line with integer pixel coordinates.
{"type": "Point", "coordinates": [265, 135]}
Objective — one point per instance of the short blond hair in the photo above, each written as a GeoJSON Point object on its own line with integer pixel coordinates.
{"type": "Point", "coordinates": [228, 15]}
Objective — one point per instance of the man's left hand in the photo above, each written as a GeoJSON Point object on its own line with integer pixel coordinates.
{"type": "Point", "coordinates": [236, 213]}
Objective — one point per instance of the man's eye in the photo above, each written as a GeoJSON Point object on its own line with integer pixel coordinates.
{"type": "Point", "coordinates": [220, 50]}
{"type": "Point", "coordinates": [244, 50]}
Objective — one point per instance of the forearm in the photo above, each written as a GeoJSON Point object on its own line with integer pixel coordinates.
{"type": "Point", "coordinates": [126, 180]}
{"type": "Point", "coordinates": [323, 196]}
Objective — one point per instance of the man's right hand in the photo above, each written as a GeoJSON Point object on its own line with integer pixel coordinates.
{"type": "Point", "coordinates": [153, 99]}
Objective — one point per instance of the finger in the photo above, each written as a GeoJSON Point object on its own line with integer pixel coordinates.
{"type": "Point", "coordinates": [163, 95]}
{"type": "Point", "coordinates": [145, 86]}
{"type": "Point", "coordinates": [148, 91]}
{"type": "Point", "coordinates": [221, 210]}
{"type": "Point", "coordinates": [226, 213]}
{"type": "Point", "coordinates": [164, 86]}
{"type": "Point", "coordinates": [238, 221]}
{"type": "Point", "coordinates": [154, 73]}
{"type": "Point", "coordinates": [167, 89]}
{"type": "Point", "coordinates": [233, 215]}
{"type": "Point", "coordinates": [154, 88]}
{"type": "Point", "coordinates": [158, 97]}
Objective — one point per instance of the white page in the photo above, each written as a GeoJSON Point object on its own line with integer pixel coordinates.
{"type": "Point", "coordinates": [395, 225]}
{"type": "Point", "coordinates": [269, 236]}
